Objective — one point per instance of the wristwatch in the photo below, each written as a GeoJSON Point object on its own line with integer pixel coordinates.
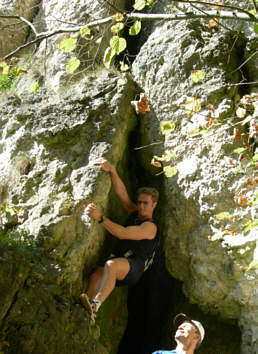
{"type": "Point", "coordinates": [103, 218]}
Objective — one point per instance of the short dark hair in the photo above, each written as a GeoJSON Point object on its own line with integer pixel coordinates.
{"type": "Point", "coordinates": [150, 191]}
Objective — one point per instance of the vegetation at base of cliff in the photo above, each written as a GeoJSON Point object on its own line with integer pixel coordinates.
{"type": "Point", "coordinates": [22, 241]}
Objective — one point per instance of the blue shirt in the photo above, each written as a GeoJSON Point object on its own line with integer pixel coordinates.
{"type": "Point", "coordinates": [165, 352]}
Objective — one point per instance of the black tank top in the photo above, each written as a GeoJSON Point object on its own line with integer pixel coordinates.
{"type": "Point", "coordinates": [142, 248]}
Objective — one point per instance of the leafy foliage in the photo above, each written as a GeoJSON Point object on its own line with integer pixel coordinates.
{"type": "Point", "coordinates": [117, 27]}
{"type": "Point", "coordinates": [9, 75]}
{"type": "Point", "coordinates": [118, 44]}
{"type": "Point", "coordinates": [85, 31]}
{"type": "Point", "coordinates": [253, 265]}
{"type": "Point", "coordinates": [108, 56]}
{"type": "Point", "coordinates": [22, 241]}
{"type": "Point", "coordinates": [250, 225]}
{"type": "Point", "coordinates": [167, 127]}
{"type": "Point", "coordinates": [72, 65]}
{"type": "Point", "coordinates": [225, 215]}
{"type": "Point", "coordinates": [197, 75]}
{"type": "Point", "coordinates": [34, 87]}
{"type": "Point", "coordinates": [135, 28]}
{"type": "Point", "coordinates": [170, 171]}
{"type": "Point", "coordinates": [67, 45]}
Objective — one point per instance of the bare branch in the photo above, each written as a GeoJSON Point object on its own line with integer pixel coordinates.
{"type": "Point", "coordinates": [234, 8]}
{"type": "Point", "coordinates": [145, 146]}
{"type": "Point", "coordinates": [111, 5]}
{"type": "Point", "coordinates": [23, 20]}
{"type": "Point", "coordinates": [215, 19]}
{"type": "Point", "coordinates": [230, 15]}
{"type": "Point", "coordinates": [255, 6]}
{"type": "Point", "coordinates": [44, 35]}
{"type": "Point", "coordinates": [30, 25]}
{"type": "Point", "coordinates": [252, 55]}
{"type": "Point", "coordinates": [133, 16]}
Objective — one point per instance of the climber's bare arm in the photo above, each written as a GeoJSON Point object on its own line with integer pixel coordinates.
{"type": "Point", "coordinates": [118, 185]}
{"type": "Point", "coordinates": [147, 230]}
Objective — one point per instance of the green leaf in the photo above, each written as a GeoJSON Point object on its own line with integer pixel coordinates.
{"type": "Point", "coordinates": [251, 224]}
{"type": "Point", "coordinates": [256, 27]}
{"type": "Point", "coordinates": [253, 264]}
{"type": "Point", "coordinates": [34, 87]}
{"type": "Point", "coordinates": [118, 44]}
{"type": "Point", "coordinates": [117, 27]}
{"type": "Point", "coordinates": [224, 215]}
{"type": "Point", "coordinates": [150, 2]}
{"type": "Point", "coordinates": [197, 75]}
{"type": "Point", "coordinates": [167, 127]}
{"type": "Point", "coordinates": [135, 28]}
{"type": "Point", "coordinates": [85, 31]}
{"type": "Point", "coordinates": [139, 4]}
{"type": "Point", "coordinates": [121, 82]}
{"type": "Point", "coordinates": [255, 158]}
{"type": "Point", "coordinates": [5, 67]}
{"type": "Point", "coordinates": [123, 66]}
{"type": "Point", "coordinates": [109, 54]}
{"type": "Point", "coordinates": [165, 157]}
{"type": "Point", "coordinates": [170, 171]}
{"type": "Point", "coordinates": [67, 45]}
{"type": "Point", "coordinates": [118, 17]}
{"type": "Point", "coordinates": [239, 150]}
{"type": "Point", "coordinates": [72, 65]}
{"type": "Point", "coordinates": [254, 201]}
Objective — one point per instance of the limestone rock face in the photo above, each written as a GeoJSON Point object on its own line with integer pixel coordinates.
{"type": "Point", "coordinates": [13, 36]}
{"type": "Point", "coordinates": [208, 201]}
{"type": "Point", "coordinates": [48, 146]}
{"type": "Point", "coordinates": [49, 140]}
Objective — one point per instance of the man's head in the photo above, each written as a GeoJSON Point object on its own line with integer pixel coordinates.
{"type": "Point", "coordinates": [147, 199]}
{"type": "Point", "coordinates": [190, 333]}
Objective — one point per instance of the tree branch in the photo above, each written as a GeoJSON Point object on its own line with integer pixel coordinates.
{"type": "Point", "coordinates": [234, 8]}
{"type": "Point", "coordinates": [133, 16]}
{"type": "Point", "coordinates": [255, 6]}
{"type": "Point", "coordinates": [45, 35]}
{"type": "Point", "coordinates": [229, 15]}
{"type": "Point", "coordinates": [249, 58]}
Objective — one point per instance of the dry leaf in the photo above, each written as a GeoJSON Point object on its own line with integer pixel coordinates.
{"type": "Point", "coordinates": [250, 182]}
{"type": "Point", "coordinates": [212, 23]}
{"type": "Point", "coordinates": [247, 145]}
{"type": "Point", "coordinates": [141, 106]}
{"type": "Point", "coordinates": [253, 130]}
{"type": "Point", "coordinates": [210, 107]}
{"type": "Point", "coordinates": [240, 197]}
{"type": "Point", "coordinates": [218, 3]}
{"type": "Point", "coordinates": [237, 134]}
{"type": "Point", "coordinates": [210, 121]}
{"type": "Point", "coordinates": [229, 232]}
{"type": "Point", "coordinates": [155, 163]}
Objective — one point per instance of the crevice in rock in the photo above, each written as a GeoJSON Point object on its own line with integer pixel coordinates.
{"type": "Point", "coordinates": [158, 297]}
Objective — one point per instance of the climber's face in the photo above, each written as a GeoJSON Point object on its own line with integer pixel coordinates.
{"type": "Point", "coordinates": [145, 206]}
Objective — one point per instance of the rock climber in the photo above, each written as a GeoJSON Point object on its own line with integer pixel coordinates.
{"type": "Point", "coordinates": [135, 250]}
{"type": "Point", "coordinates": [189, 335]}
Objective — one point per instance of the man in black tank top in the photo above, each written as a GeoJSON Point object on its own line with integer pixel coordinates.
{"type": "Point", "coordinates": [138, 241]}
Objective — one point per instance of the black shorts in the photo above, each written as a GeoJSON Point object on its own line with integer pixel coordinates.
{"type": "Point", "coordinates": [136, 271]}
